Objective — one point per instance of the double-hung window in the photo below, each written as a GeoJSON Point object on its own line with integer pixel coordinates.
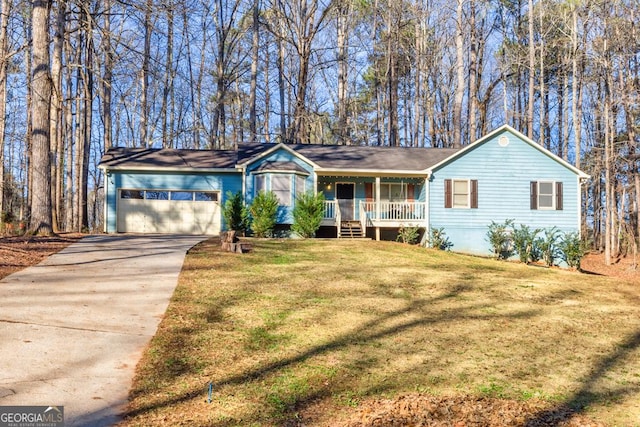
{"type": "Point", "coordinates": [461, 193]}
{"type": "Point", "coordinates": [546, 195]}
{"type": "Point", "coordinates": [278, 183]}
{"type": "Point", "coordinates": [281, 186]}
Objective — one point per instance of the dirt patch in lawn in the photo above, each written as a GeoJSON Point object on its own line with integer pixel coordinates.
{"type": "Point", "coordinates": [19, 252]}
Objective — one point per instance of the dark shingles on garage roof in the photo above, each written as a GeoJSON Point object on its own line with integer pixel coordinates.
{"type": "Point", "coordinates": [168, 158]}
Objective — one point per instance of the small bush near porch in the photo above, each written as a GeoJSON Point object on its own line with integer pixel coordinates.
{"type": "Point", "coordinates": [310, 332]}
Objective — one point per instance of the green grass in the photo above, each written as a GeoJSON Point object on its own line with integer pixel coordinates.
{"type": "Point", "coordinates": [312, 328]}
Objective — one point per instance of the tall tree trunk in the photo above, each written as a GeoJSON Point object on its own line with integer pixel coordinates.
{"type": "Point", "coordinates": [5, 9]}
{"type": "Point", "coordinates": [266, 130]}
{"type": "Point", "coordinates": [87, 97]}
{"type": "Point", "coordinates": [107, 77]}
{"type": "Point", "coordinates": [544, 105]}
{"type": "Point", "coordinates": [392, 75]}
{"type": "Point", "coordinates": [70, 137]}
{"type": "Point", "coordinates": [255, 51]}
{"type": "Point", "coordinates": [342, 22]}
{"type": "Point", "coordinates": [532, 69]}
{"type": "Point", "coordinates": [55, 130]}
{"type": "Point", "coordinates": [41, 220]}
{"type": "Point", "coordinates": [576, 87]}
{"type": "Point", "coordinates": [144, 76]}
{"type": "Point", "coordinates": [167, 90]}
{"type": "Point", "coordinates": [281, 82]}
{"type": "Point", "coordinates": [473, 73]}
{"type": "Point", "coordinates": [192, 83]}
{"type": "Point", "coordinates": [460, 86]}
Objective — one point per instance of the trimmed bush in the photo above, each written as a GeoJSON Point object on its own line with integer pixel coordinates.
{"type": "Point", "coordinates": [408, 235]}
{"type": "Point", "coordinates": [264, 213]}
{"type": "Point", "coordinates": [235, 213]}
{"type": "Point", "coordinates": [525, 243]}
{"type": "Point", "coordinates": [500, 239]}
{"type": "Point", "coordinates": [438, 239]}
{"type": "Point", "coordinates": [572, 249]}
{"type": "Point", "coordinates": [549, 246]}
{"type": "Point", "coordinates": [307, 214]}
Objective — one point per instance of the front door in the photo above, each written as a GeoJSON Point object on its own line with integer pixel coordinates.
{"type": "Point", "coordinates": [345, 194]}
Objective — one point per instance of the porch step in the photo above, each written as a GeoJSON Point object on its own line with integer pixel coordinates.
{"type": "Point", "coordinates": [351, 230]}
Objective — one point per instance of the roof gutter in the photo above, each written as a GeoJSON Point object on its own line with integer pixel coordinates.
{"type": "Point", "coordinates": [107, 168]}
{"type": "Point", "coordinates": [371, 172]}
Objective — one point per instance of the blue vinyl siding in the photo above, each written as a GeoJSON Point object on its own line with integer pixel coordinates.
{"type": "Point", "coordinates": [504, 175]}
{"type": "Point", "coordinates": [117, 180]}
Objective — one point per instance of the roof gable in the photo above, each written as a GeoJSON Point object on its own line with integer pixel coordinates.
{"type": "Point", "coordinates": [351, 158]}
{"type": "Point", "coordinates": [490, 136]}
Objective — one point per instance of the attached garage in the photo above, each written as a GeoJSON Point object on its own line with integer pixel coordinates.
{"type": "Point", "coordinates": [167, 191]}
{"type": "Point", "coordinates": [168, 211]}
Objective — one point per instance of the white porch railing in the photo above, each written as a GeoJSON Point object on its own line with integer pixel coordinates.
{"type": "Point", "coordinates": [330, 209]}
{"type": "Point", "coordinates": [394, 211]}
{"type": "Point", "coordinates": [380, 212]}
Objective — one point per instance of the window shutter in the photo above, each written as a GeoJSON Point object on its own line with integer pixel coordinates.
{"type": "Point", "coordinates": [411, 190]}
{"type": "Point", "coordinates": [448, 194]}
{"type": "Point", "coordinates": [368, 191]}
{"type": "Point", "coordinates": [534, 195]}
{"type": "Point", "coordinates": [558, 196]}
{"type": "Point", "coordinates": [474, 194]}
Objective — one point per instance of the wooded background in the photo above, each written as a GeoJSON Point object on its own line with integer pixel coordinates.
{"type": "Point", "coordinates": [77, 77]}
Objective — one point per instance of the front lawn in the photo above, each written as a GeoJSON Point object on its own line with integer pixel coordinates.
{"type": "Point", "coordinates": [310, 331]}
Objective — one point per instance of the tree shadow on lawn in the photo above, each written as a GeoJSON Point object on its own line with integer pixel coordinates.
{"type": "Point", "coordinates": [585, 396]}
{"type": "Point", "coordinates": [368, 332]}
{"type": "Point", "coordinates": [374, 330]}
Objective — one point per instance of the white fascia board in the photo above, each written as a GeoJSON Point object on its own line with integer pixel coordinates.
{"type": "Point", "coordinates": [160, 169]}
{"type": "Point", "coordinates": [517, 134]}
{"type": "Point", "coordinates": [371, 172]}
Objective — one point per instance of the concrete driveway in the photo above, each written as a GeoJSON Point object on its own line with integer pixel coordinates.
{"type": "Point", "coordinates": [73, 328]}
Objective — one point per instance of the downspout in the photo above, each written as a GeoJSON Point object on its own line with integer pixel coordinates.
{"type": "Point", "coordinates": [244, 184]}
{"type": "Point", "coordinates": [581, 181]}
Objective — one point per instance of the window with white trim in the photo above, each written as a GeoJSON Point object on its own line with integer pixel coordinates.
{"type": "Point", "coordinates": [460, 193]}
{"type": "Point", "coordinates": [259, 184]}
{"type": "Point", "coordinates": [546, 195]}
{"type": "Point", "coordinates": [300, 184]}
{"type": "Point", "coordinates": [393, 192]}
{"type": "Point", "coordinates": [281, 187]}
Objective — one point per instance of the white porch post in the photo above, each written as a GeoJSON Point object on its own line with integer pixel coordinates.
{"type": "Point", "coordinates": [105, 206]}
{"type": "Point", "coordinates": [427, 209]}
{"type": "Point", "coordinates": [378, 207]}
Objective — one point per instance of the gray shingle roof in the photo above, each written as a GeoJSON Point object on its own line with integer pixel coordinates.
{"type": "Point", "coordinates": [137, 158]}
{"type": "Point", "coordinates": [330, 157]}
{"type": "Point", "coordinates": [372, 158]}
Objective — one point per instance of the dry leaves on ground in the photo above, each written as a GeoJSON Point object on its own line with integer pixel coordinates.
{"type": "Point", "coordinates": [464, 411]}
{"type": "Point", "coordinates": [19, 252]}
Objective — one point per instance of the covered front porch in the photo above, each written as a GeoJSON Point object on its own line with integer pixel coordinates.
{"type": "Point", "coordinates": [358, 206]}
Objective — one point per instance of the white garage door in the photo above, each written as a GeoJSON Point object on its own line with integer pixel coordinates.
{"type": "Point", "coordinates": [173, 212]}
